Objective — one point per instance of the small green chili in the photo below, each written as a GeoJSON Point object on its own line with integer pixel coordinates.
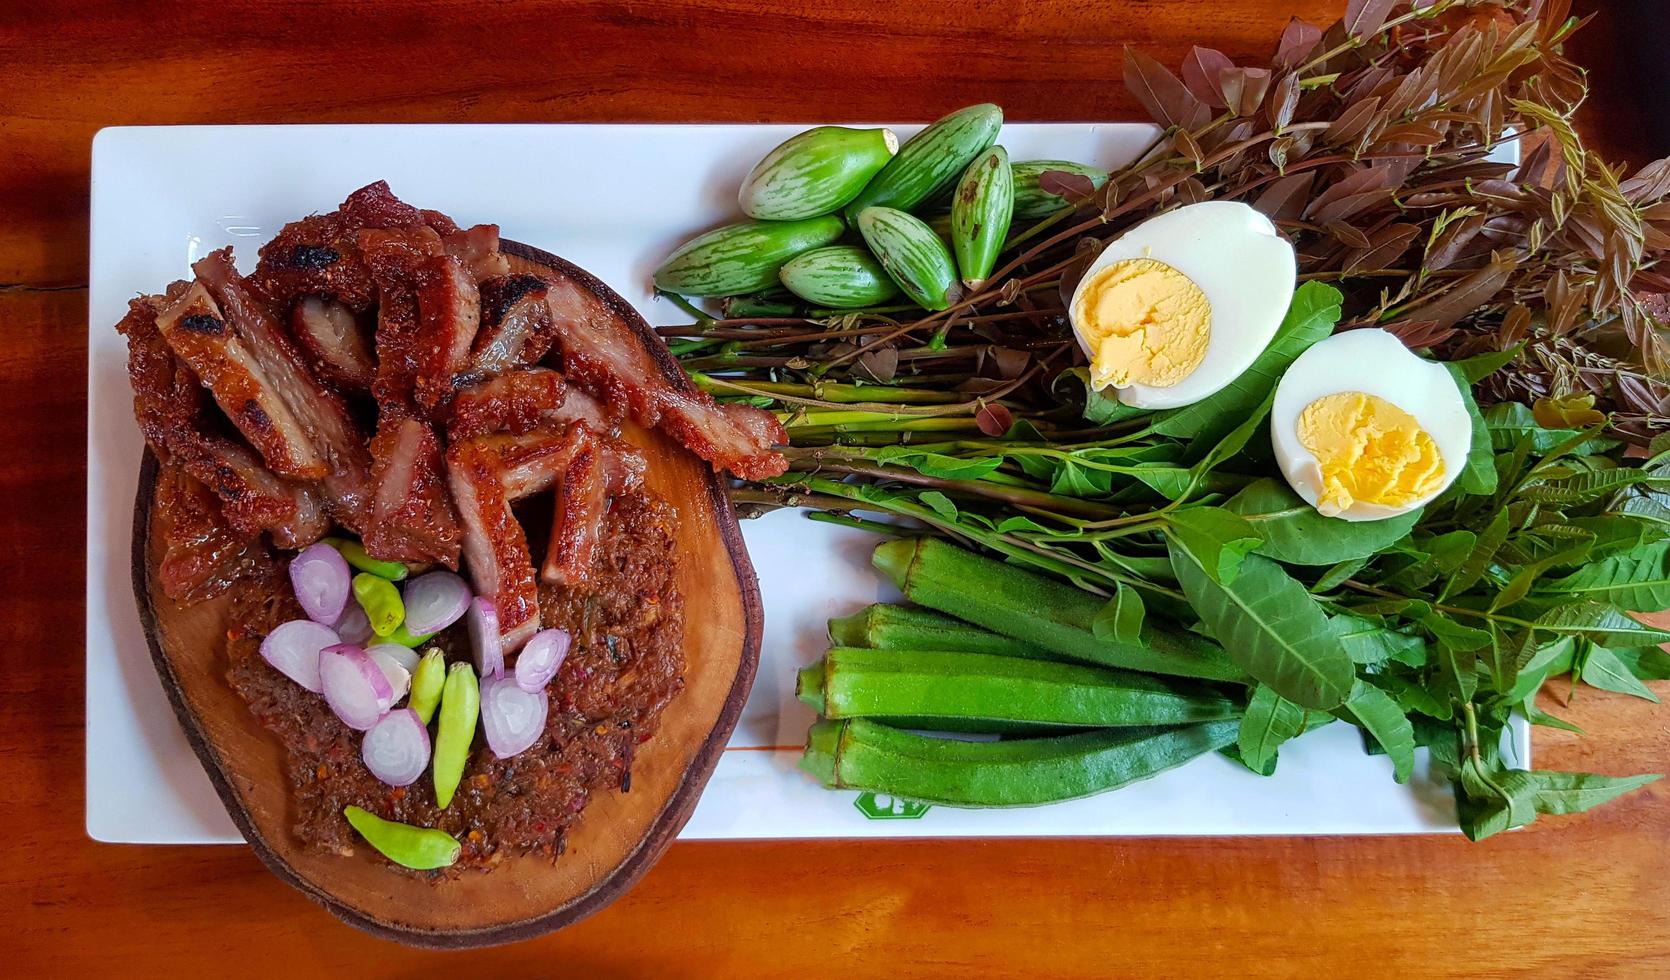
{"type": "Point", "coordinates": [427, 682]}
{"type": "Point", "coordinates": [460, 707]}
{"type": "Point", "coordinates": [418, 848]}
{"type": "Point", "coordinates": [406, 638]}
{"type": "Point", "coordinates": [381, 602]}
{"type": "Point", "coordinates": [356, 556]}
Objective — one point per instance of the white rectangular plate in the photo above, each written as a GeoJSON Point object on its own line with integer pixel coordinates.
{"type": "Point", "coordinates": [613, 199]}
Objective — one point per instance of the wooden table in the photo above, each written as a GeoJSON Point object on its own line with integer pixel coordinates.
{"type": "Point", "coordinates": [1587, 896]}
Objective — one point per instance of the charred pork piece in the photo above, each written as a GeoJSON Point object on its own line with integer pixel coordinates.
{"type": "Point", "coordinates": [477, 247]}
{"type": "Point", "coordinates": [334, 342]}
{"type": "Point", "coordinates": [203, 555]}
{"type": "Point", "coordinates": [174, 415]}
{"type": "Point", "coordinates": [519, 402]}
{"type": "Point", "coordinates": [449, 313]}
{"type": "Point", "coordinates": [515, 325]}
{"type": "Point", "coordinates": [600, 352]}
{"type": "Point", "coordinates": [199, 335]}
{"type": "Point", "coordinates": [495, 546]}
{"type": "Point", "coordinates": [411, 518]}
{"type": "Point", "coordinates": [320, 412]}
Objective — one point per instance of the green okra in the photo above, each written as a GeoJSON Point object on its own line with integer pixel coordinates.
{"type": "Point", "coordinates": [1052, 615]}
{"type": "Point", "coordinates": [866, 755]}
{"type": "Point", "coordinates": [418, 848]}
{"type": "Point", "coordinates": [927, 684]}
{"type": "Point", "coordinates": [884, 626]}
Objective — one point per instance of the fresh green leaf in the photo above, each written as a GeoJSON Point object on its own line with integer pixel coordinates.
{"type": "Point", "coordinates": [1537, 716]}
{"type": "Point", "coordinates": [1480, 366]}
{"type": "Point", "coordinates": [1170, 482]}
{"type": "Point", "coordinates": [1294, 532]}
{"type": "Point", "coordinates": [1520, 585]}
{"type": "Point", "coordinates": [1217, 537]}
{"type": "Point", "coordinates": [1236, 439]}
{"type": "Point", "coordinates": [1378, 714]}
{"type": "Point", "coordinates": [940, 503]}
{"type": "Point", "coordinates": [1586, 486]}
{"type": "Point", "coordinates": [1413, 696]}
{"type": "Point", "coordinates": [1100, 407]}
{"type": "Point", "coordinates": [1473, 567]}
{"type": "Point", "coordinates": [1458, 671]}
{"type": "Point", "coordinates": [1270, 720]}
{"type": "Point", "coordinates": [938, 465]}
{"type": "Point", "coordinates": [1602, 669]}
{"type": "Point", "coordinates": [1602, 623]}
{"type": "Point", "coordinates": [1547, 660]}
{"type": "Point", "coordinates": [1020, 522]}
{"type": "Point", "coordinates": [1311, 316]}
{"type": "Point", "coordinates": [1647, 663]}
{"type": "Point", "coordinates": [1574, 792]}
{"type": "Point", "coordinates": [1478, 474]}
{"type": "Point", "coordinates": [1074, 480]}
{"type": "Point", "coordinates": [1121, 619]}
{"type": "Point", "coordinates": [1369, 642]}
{"type": "Point", "coordinates": [1336, 576]}
{"type": "Point", "coordinates": [1510, 422]}
{"type": "Point", "coordinates": [1271, 627]}
{"type": "Point", "coordinates": [1637, 582]}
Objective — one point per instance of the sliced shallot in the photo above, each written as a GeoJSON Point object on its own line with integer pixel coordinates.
{"type": "Point", "coordinates": [396, 748]}
{"type": "Point", "coordinates": [513, 719]}
{"type": "Point", "coordinates": [435, 601]}
{"type": "Point", "coordinates": [391, 658]}
{"type": "Point", "coordinates": [354, 685]}
{"type": "Point", "coordinates": [540, 658]}
{"type": "Point", "coordinates": [320, 577]}
{"type": "Point", "coordinates": [354, 626]}
{"type": "Point", "coordinates": [483, 620]}
{"type": "Point", "coordinates": [293, 650]}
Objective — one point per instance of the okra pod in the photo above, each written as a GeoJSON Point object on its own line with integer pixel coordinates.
{"type": "Point", "coordinates": [889, 627]}
{"type": "Point", "coordinates": [929, 684]}
{"type": "Point", "coordinates": [1053, 615]}
{"type": "Point", "coordinates": [866, 755]}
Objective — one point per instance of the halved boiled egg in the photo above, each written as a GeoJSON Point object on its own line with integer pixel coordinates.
{"type": "Point", "coordinates": [1176, 308]}
{"type": "Point", "coordinates": [1363, 429]}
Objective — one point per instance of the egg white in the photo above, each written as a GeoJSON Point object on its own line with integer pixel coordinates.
{"type": "Point", "coordinates": [1376, 363]}
{"type": "Point", "coordinates": [1244, 268]}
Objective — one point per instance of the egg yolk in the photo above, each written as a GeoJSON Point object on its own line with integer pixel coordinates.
{"type": "Point", "coordinates": [1144, 322]}
{"type": "Point", "coordinates": [1370, 451]}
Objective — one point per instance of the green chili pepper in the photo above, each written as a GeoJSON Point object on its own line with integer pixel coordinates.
{"type": "Point", "coordinates": [406, 638]}
{"type": "Point", "coordinates": [356, 555]}
{"type": "Point", "coordinates": [381, 602]}
{"type": "Point", "coordinates": [460, 707]}
{"type": "Point", "coordinates": [418, 848]}
{"type": "Point", "coordinates": [427, 682]}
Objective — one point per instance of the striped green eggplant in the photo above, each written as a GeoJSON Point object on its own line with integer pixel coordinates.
{"type": "Point", "coordinates": [930, 161]}
{"type": "Point", "coordinates": [743, 258]}
{"type": "Point", "coordinates": [1033, 202]}
{"type": "Point", "coordinates": [980, 215]}
{"type": "Point", "coordinates": [815, 172]}
{"type": "Point", "coordinates": [912, 254]}
{"type": "Point", "coordinates": [840, 277]}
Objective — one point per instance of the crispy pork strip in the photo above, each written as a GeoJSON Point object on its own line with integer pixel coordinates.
{"type": "Point", "coordinates": [334, 342]}
{"type": "Point", "coordinates": [477, 247]}
{"type": "Point", "coordinates": [204, 555]}
{"type": "Point", "coordinates": [515, 325]}
{"type": "Point", "coordinates": [174, 416]}
{"type": "Point", "coordinates": [199, 334]}
{"type": "Point", "coordinates": [321, 412]}
{"type": "Point", "coordinates": [449, 313]}
{"type": "Point", "coordinates": [495, 547]}
{"type": "Point", "coordinates": [600, 351]}
{"type": "Point", "coordinates": [411, 517]}
{"type": "Point", "coordinates": [521, 401]}
{"type": "Point", "coordinates": [603, 468]}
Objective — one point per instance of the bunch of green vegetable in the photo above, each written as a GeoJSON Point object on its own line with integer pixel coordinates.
{"type": "Point", "coordinates": [1166, 542]}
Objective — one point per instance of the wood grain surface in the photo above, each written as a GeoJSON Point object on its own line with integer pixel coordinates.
{"type": "Point", "coordinates": [1571, 897]}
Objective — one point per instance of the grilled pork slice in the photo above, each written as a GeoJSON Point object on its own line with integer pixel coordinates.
{"type": "Point", "coordinates": [449, 314]}
{"type": "Point", "coordinates": [320, 412]}
{"type": "Point", "coordinates": [519, 402]}
{"type": "Point", "coordinates": [335, 343]}
{"type": "Point", "coordinates": [515, 325]}
{"type": "Point", "coordinates": [176, 419]}
{"type": "Point", "coordinates": [477, 247]}
{"type": "Point", "coordinates": [199, 334]}
{"type": "Point", "coordinates": [411, 517]}
{"type": "Point", "coordinates": [204, 555]}
{"type": "Point", "coordinates": [495, 547]}
{"type": "Point", "coordinates": [600, 352]}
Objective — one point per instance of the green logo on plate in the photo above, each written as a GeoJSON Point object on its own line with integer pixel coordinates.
{"type": "Point", "coordinates": [877, 806]}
